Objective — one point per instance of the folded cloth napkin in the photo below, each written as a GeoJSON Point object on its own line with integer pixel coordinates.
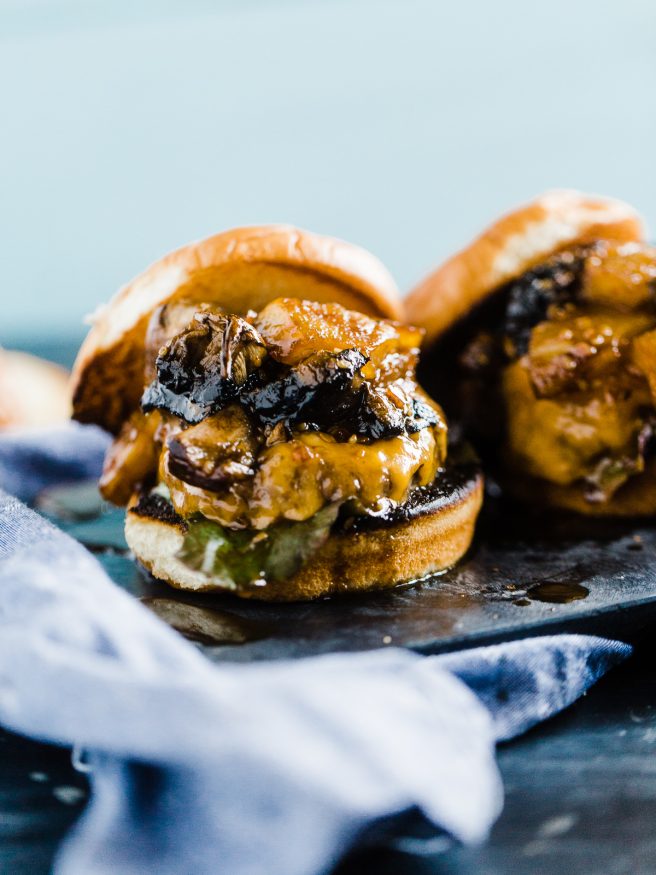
{"type": "Point", "coordinates": [33, 458]}
{"type": "Point", "coordinates": [276, 768]}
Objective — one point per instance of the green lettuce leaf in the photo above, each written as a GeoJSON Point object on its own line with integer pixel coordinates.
{"type": "Point", "coordinates": [245, 558]}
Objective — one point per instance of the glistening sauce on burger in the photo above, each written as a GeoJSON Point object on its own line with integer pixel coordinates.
{"type": "Point", "coordinates": [257, 431]}
{"type": "Point", "coordinates": [566, 369]}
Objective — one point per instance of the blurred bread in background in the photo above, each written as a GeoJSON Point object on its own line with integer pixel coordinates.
{"type": "Point", "coordinates": [32, 391]}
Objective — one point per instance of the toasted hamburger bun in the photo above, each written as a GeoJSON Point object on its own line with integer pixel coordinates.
{"type": "Point", "coordinates": [419, 538]}
{"type": "Point", "coordinates": [511, 246]}
{"type": "Point", "coordinates": [33, 392]}
{"type": "Point", "coordinates": [240, 269]}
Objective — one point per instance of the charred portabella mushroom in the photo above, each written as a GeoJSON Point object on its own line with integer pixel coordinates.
{"type": "Point", "coordinates": [317, 388]}
{"type": "Point", "coordinates": [218, 360]}
{"type": "Point", "coordinates": [530, 298]}
{"type": "Point", "coordinates": [205, 367]}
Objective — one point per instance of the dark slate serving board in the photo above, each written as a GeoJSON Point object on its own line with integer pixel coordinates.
{"type": "Point", "coordinates": [525, 575]}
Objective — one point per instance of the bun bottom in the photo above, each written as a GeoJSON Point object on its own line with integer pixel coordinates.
{"type": "Point", "coordinates": [636, 498]}
{"type": "Point", "coordinates": [430, 533]}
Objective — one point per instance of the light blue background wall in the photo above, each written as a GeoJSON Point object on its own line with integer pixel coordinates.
{"type": "Point", "coordinates": [129, 128]}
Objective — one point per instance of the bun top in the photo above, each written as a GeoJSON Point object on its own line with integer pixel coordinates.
{"type": "Point", "coordinates": [240, 270]}
{"type": "Point", "coordinates": [32, 391]}
{"type": "Point", "coordinates": [511, 246]}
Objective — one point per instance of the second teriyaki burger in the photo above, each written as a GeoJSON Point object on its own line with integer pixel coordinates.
{"type": "Point", "coordinates": [271, 437]}
{"type": "Point", "coordinates": [545, 326]}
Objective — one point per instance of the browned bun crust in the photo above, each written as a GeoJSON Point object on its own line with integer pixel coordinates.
{"type": "Point", "coordinates": [509, 247]}
{"type": "Point", "coordinates": [32, 391]}
{"type": "Point", "coordinates": [350, 561]}
{"type": "Point", "coordinates": [637, 498]}
{"type": "Point", "coordinates": [241, 269]}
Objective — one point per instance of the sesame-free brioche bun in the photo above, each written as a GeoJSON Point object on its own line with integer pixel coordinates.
{"type": "Point", "coordinates": [33, 392]}
{"type": "Point", "coordinates": [422, 537]}
{"type": "Point", "coordinates": [240, 270]}
{"type": "Point", "coordinates": [512, 245]}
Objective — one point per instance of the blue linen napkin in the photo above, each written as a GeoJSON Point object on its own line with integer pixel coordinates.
{"type": "Point", "coordinates": [33, 458]}
{"type": "Point", "coordinates": [274, 768]}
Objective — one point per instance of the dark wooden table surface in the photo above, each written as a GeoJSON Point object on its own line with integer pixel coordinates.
{"type": "Point", "coordinates": [580, 795]}
{"type": "Point", "coordinates": [580, 791]}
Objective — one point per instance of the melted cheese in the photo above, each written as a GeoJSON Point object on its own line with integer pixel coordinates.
{"type": "Point", "coordinates": [562, 439]}
{"type": "Point", "coordinates": [294, 479]}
